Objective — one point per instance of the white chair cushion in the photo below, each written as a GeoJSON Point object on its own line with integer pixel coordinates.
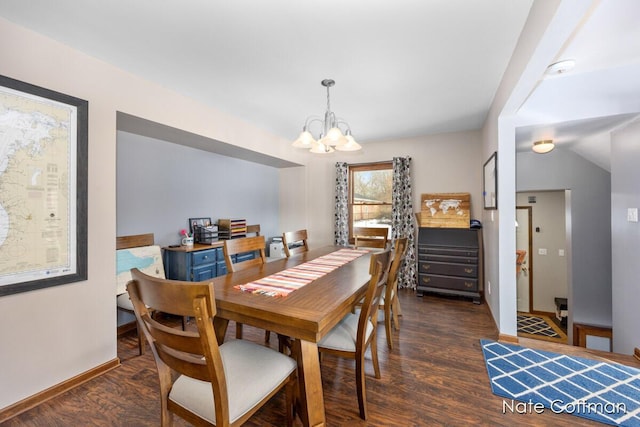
{"type": "Point", "coordinates": [123, 301]}
{"type": "Point", "coordinates": [343, 336]}
{"type": "Point", "coordinates": [252, 371]}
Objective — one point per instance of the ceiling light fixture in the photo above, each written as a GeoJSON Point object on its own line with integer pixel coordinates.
{"type": "Point", "coordinates": [560, 67]}
{"type": "Point", "coordinates": [330, 137]}
{"type": "Point", "coordinates": [544, 146]}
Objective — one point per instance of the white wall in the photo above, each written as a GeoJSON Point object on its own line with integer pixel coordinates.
{"type": "Point", "coordinates": [625, 193]}
{"type": "Point", "coordinates": [53, 334]}
{"type": "Point", "coordinates": [440, 164]}
{"type": "Point", "coordinates": [158, 193]}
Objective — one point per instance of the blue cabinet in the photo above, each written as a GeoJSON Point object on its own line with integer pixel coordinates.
{"type": "Point", "coordinates": [197, 263]}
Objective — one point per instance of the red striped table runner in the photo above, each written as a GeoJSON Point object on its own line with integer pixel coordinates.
{"type": "Point", "coordinates": [286, 281]}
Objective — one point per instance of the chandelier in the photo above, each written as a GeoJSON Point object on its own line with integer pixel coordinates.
{"type": "Point", "coordinates": [330, 137]}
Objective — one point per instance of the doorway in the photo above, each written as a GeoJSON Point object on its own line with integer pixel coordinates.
{"type": "Point", "coordinates": [541, 264]}
{"type": "Point", "coordinates": [524, 279]}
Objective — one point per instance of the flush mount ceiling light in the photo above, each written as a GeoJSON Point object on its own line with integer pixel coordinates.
{"type": "Point", "coordinates": [331, 137]}
{"type": "Point", "coordinates": [544, 146]}
{"type": "Point", "coordinates": [560, 67]}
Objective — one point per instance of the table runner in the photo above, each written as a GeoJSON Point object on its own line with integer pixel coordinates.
{"type": "Point", "coordinates": [286, 281]}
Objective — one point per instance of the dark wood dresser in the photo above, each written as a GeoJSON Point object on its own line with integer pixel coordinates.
{"type": "Point", "coordinates": [450, 261]}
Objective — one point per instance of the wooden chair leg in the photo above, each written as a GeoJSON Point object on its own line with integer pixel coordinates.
{"type": "Point", "coordinates": [140, 340]}
{"type": "Point", "coordinates": [267, 337]}
{"type": "Point", "coordinates": [374, 356]}
{"type": "Point", "coordinates": [396, 302]}
{"type": "Point", "coordinates": [360, 386]}
{"type": "Point", "coordinates": [387, 325]}
{"type": "Point", "coordinates": [238, 331]}
{"type": "Point", "coordinates": [395, 310]}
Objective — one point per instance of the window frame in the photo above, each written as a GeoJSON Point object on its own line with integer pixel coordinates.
{"type": "Point", "coordinates": [365, 167]}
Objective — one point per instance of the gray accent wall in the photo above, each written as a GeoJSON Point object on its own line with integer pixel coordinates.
{"type": "Point", "coordinates": [161, 184]}
{"type": "Point", "coordinates": [625, 194]}
{"type": "Point", "coordinates": [589, 250]}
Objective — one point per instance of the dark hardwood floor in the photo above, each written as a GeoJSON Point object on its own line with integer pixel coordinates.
{"type": "Point", "coordinates": [435, 375]}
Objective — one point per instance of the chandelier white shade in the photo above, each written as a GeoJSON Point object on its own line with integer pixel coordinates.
{"type": "Point", "coordinates": [544, 146]}
{"type": "Point", "coordinates": [331, 136]}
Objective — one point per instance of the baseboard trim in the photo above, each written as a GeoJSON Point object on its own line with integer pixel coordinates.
{"type": "Point", "coordinates": [508, 338]}
{"type": "Point", "coordinates": [126, 328]}
{"type": "Point", "coordinates": [56, 390]}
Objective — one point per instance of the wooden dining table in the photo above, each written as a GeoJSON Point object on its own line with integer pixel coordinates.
{"type": "Point", "coordinates": [305, 315]}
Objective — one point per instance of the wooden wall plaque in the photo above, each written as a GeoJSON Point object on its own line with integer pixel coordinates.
{"type": "Point", "coordinates": [445, 210]}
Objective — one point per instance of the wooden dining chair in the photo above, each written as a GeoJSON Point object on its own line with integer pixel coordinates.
{"type": "Point", "coordinates": [294, 242]}
{"type": "Point", "coordinates": [356, 332]}
{"type": "Point", "coordinates": [389, 304]}
{"type": "Point", "coordinates": [253, 229]}
{"type": "Point", "coordinates": [370, 237]}
{"type": "Point", "coordinates": [241, 246]}
{"type": "Point", "coordinates": [201, 381]}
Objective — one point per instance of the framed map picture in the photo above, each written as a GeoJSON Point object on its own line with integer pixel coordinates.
{"type": "Point", "coordinates": [43, 187]}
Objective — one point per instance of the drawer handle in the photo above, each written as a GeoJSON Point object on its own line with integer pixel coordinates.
{"type": "Point", "coordinates": [468, 270]}
{"type": "Point", "coordinates": [205, 257]}
{"type": "Point", "coordinates": [426, 279]}
{"type": "Point", "coordinates": [468, 284]}
{"type": "Point", "coordinates": [426, 266]}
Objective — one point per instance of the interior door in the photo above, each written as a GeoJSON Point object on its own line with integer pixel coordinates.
{"type": "Point", "coordinates": [523, 262]}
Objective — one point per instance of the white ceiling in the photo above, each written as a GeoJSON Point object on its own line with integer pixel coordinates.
{"type": "Point", "coordinates": [578, 109]}
{"type": "Point", "coordinates": [402, 68]}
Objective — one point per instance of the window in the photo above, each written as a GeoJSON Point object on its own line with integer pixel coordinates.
{"type": "Point", "coordinates": [370, 195]}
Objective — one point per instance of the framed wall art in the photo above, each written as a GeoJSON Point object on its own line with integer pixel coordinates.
{"type": "Point", "coordinates": [490, 182]}
{"type": "Point", "coordinates": [43, 187]}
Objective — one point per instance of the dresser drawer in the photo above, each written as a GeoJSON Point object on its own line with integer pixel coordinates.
{"type": "Point", "coordinates": [448, 251]}
{"type": "Point", "coordinates": [448, 258]}
{"type": "Point", "coordinates": [447, 282]}
{"type": "Point", "coordinates": [448, 269]}
{"type": "Point", "coordinates": [204, 257]}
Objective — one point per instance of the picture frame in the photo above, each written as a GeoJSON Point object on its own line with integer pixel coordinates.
{"type": "Point", "coordinates": [200, 222]}
{"type": "Point", "coordinates": [490, 182]}
{"type": "Point", "coordinates": [43, 208]}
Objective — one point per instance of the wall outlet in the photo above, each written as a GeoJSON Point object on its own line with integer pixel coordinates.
{"type": "Point", "coordinates": [560, 252]}
{"type": "Point", "coordinates": [632, 214]}
{"type": "Point", "coordinates": [542, 251]}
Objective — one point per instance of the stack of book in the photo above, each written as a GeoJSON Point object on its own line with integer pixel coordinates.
{"type": "Point", "coordinates": [232, 228]}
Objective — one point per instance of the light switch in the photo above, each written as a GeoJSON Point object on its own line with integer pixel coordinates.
{"type": "Point", "coordinates": [542, 251]}
{"type": "Point", "coordinates": [560, 252]}
{"type": "Point", "coordinates": [632, 214]}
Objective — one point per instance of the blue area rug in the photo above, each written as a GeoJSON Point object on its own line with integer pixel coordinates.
{"type": "Point", "coordinates": [600, 391]}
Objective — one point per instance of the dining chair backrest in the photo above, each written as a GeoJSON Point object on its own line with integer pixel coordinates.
{"type": "Point", "coordinates": [380, 263]}
{"type": "Point", "coordinates": [370, 237]}
{"type": "Point", "coordinates": [294, 242]}
{"type": "Point", "coordinates": [399, 253]}
{"type": "Point", "coordinates": [184, 356]}
{"type": "Point", "coordinates": [390, 304]}
{"type": "Point", "coordinates": [253, 229]}
{"type": "Point", "coordinates": [243, 245]}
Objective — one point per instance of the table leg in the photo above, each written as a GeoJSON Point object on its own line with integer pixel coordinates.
{"type": "Point", "coordinates": [309, 383]}
{"type": "Point", "coordinates": [220, 326]}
